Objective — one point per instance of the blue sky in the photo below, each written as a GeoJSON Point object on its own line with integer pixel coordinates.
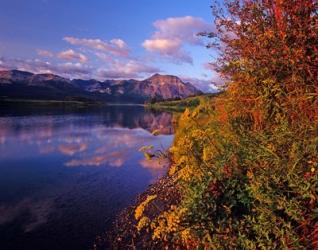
{"type": "Point", "coordinates": [107, 38]}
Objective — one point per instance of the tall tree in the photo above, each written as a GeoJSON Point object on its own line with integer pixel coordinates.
{"type": "Point", "coordinates": [269, 55]}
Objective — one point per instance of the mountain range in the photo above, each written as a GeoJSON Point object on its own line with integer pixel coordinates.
{"type": "Point", "coordinates": [16, 84]}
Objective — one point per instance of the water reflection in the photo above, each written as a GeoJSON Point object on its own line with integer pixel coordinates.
{"type": "Point", "coordinates": [63, 174]}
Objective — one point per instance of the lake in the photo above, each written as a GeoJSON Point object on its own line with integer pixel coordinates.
{"type": "Point", "coordinates": [65, 173]}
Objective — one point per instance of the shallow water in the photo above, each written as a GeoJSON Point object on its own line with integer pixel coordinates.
{"type": "Point", "coordinates": [65, 173]}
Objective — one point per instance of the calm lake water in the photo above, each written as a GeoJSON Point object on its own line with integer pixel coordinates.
{"type": "Point", "coordinates": [65, 174]}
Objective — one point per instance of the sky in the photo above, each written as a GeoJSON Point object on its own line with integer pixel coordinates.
{"type": "Point", "coordinates": [108, 39]}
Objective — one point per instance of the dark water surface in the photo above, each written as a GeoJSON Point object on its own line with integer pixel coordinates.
{"type": "Point", "coordinates": [64, 173]}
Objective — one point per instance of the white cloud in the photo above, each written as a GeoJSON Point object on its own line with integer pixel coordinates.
{"type": "Point", "coordinates": [71, 55]}
{"type": "Point", "coordinates": [115, 47]}
{"type": "Point", "coordinates": [205, 85]}
{"type": "Point", "coordinates": [172, 34]}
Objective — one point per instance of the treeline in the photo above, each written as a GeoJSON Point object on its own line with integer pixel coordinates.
{"type": "Point", "coordinates": [246, 162]}
{"type": "Point", "coordinates": [180, 104]}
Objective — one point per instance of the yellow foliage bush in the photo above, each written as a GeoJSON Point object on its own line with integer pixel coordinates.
{"type": "Point", "coordinates": [246, 161]}
{"type": "Point", "coordinates": [142, 206]}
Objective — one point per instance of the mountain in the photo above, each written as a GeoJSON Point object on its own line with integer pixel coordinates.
{"type": "Point", "coordinates": [160, 87]}
{"type": "Point", "coordinates": [168, 87]}
{"type": "Point", "coordinates": [17, 84]}
{"type": "Point", "coordinates": [14, 76]}
{"type": "Point", "coordinates": [25, 85]}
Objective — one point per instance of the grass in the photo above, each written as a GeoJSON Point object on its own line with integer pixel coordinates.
{"type": "Point", "coordinates": [180, 105]}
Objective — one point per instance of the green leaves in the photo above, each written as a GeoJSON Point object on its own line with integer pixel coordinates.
{"type": "Point", "coordinates": [246, 162]}
{"type": "Point", "coordinates": [245, 186]}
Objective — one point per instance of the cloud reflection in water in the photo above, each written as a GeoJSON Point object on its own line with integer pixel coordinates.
{"type": "Point", "coordinates": [85, 164]}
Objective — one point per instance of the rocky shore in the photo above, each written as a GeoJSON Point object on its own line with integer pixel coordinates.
{"type": "Point", "coordinates": [123, 233]}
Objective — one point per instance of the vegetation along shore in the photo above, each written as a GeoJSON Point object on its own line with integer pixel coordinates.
{"type": "Point", "coordinates": [244, 164]}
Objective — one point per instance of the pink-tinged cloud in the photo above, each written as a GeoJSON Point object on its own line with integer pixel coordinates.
{"type": "Point", "coordinates": [105, 57]}
{"type": "Point", "coordinates": [72, 149]}
{"type": "Point", "coordinates": [113, 159]}
{"type": "Point", "coordinates": [182, 28]}
{"type": "Point", "coordinates": [113, 70]}
{"type": "Point", "coordinates": [115, 47]}
{"type": "Point", "coordinates": [2, 65]}
{"type": "Point", "coordinates": [172, 34]}
{"type": "Point", "coordinates": [168, 48]}
{"type": "Point", "coordinates": [44, 53]}
{"type": "Point", "coordinates": [68, 70]}
{"type": "Point", "coordinates": [162, 45]}
{"type": "Point", "coordinates": [130, 69]}
{"type": "Point", "coordinates": [73, 70]}
{"type": "Point", "coordinates": [119, 43]}
{"type": "Point", "coordinates": [71, 55]}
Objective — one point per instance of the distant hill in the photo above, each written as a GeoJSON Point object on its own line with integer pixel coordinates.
{"type": "Point", "coordinates": [15, 84]}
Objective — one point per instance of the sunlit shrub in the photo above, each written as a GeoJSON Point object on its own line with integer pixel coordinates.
{"type": "Point", "coordinates": [246, 161]}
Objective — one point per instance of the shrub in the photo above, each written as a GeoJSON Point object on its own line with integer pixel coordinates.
{"type": "Point", "coordinates": [247, 160]}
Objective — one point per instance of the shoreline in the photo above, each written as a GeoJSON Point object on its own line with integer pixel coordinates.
{"type": "Point", "coordinates": [50, 101]}
{"type": "Point", "coordinates": [60, 103]}
{"type": "Point", "coordinates": [44, 102]}
{"type": "Point", "coordinates": [122, 233]}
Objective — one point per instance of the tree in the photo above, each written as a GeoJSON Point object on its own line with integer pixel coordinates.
{"type": "Point", "coordinates": [246, 162]}
{"type": "Point", "coordinates": [269, 55]}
